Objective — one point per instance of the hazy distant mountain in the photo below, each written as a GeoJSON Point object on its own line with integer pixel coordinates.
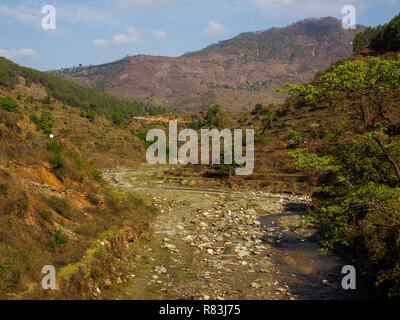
{"type": "Point", "coordinates": [241, 71]}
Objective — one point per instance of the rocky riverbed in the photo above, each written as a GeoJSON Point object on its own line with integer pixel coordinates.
{"type": "Point", "coordinates": [217, 244]}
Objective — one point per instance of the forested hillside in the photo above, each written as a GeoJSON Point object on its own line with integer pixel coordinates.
{"type": "Point", "coordinates": [87, 99]}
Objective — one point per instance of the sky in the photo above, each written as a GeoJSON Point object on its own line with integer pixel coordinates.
{"type": "Point", "coordinates": [95, 32]}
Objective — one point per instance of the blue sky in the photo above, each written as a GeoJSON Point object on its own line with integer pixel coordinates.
{"type": "Point", "coordinates": [94, 32]}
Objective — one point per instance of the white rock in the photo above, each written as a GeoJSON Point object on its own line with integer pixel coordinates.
{"type": "Point", "coordinates": [243, 253]}
{"type": "Point", "coordinates": [170, 246]}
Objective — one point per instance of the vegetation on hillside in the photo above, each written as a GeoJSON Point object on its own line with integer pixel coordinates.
{"type": "Point", "coordinates": [278, 43]}
{"type": "Point", "coordinates": [54, 207]}
{"type": "Point", "coordinates": [386, 37]}
{"type": "Point", "coordinates": [357, 200]}
{"type": "Point", "coordinates": [75, 95]}
{"type": "Point", "coordinates": [212, 117]}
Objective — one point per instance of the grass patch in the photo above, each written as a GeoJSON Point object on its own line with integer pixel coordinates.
{"type": "Point", "coordinates": [46, 215]}
{"type": "Point", "coordinates": [60, 206]}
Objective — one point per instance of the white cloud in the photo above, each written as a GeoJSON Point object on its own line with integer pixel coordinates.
{"type": "Point", "coordinates": [159, 34]}
{"type": "Point", "coordinates": [23, 14]}
{"type": "Point", "coordinates": [214, 29]}
{"type": "Point", "coordinates": [72, 13]}
{"type": "Point", "coordinates": [295, 7]}
{"type": "Point", "coordinates": [99, 43]}
{"type": "Point", "coordinates": [23, 53]}
{"type": "Point", "coordinates": [131, 36]}
{"type": "Point", "coordinates": [30, 14]}
{"type": "Point", "coordinates": [312, 8]}
{"type": "Point", "coordinates": [142, 3]}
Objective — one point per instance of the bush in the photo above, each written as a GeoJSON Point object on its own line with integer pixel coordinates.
{"type": "Point", "coordinates": [45, 122]}
{"type": "Point", "coordinates": [295, 138]}
{"type": "Point", "coordinates": [54, 146]}
{"type": "Point", "coordinates": [9, 105]}
{"type": "Point", "coordinates": [59, 239]}
{"type": "Point", "coordinates": [117, 118]}
{"type": "Point", "coordinates": [97, 174]}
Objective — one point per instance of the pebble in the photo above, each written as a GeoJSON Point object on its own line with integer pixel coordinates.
{"type": "Point", "coordinates": [170, 246]}
{"type": "Point", "coordinates": [326, 283]}
{"type": "Point", "coordinates": [243, 253]}
{"type": "Point", "coordinates": [160, 269]}
{"type": "Point", "coordinates": [107, 283]}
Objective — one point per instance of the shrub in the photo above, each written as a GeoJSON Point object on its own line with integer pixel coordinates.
{"type": "Point", "coordinates": [54, 146]}
{"type": "Point", "coordinates": [45, 122]}
{"type": "Point", "coordinates": [97, 174]}
{"type": "Point", "coordinates": [46, 100]}
{"type": "Point", "coordinates": [295, 138]}
{"type": "Point", "coordinates": [9, 105]}
{"type": "Point", "coordinates": [59, 239]}
{"type": "Point", "coordinates": [117, 118]}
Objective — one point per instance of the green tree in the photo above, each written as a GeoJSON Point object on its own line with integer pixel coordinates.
{"type": "Point", "coordinates": [211, 113]}
{"type": "Point", "coordinates": [357, 200]}
{"type": "Point", "coordinates": [368, 86]}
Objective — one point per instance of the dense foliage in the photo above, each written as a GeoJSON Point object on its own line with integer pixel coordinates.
{"type": "Point", "coordinates": [357, 200]}
{"type": "Point", "coordinates": [386, 37]}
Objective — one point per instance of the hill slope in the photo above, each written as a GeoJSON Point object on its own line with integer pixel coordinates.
{"type": "Point", "coordinates": [241, 71]}
{"type": "Point", "coordinates": [54, 207]}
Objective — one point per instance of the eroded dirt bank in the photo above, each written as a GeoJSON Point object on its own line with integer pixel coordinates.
{"type": "Point", "coordinates": [218, 244]}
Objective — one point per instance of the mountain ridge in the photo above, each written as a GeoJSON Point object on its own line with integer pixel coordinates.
{"type": "Point", "coordinates": [240, 71]}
